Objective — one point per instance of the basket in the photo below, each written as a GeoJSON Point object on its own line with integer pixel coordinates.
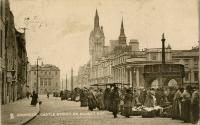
{"type": "Point", "coordinates": [148, 114]}
{"type": "Point", "coordinates": [136, 113]}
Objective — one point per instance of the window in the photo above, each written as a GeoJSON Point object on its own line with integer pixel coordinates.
{"type": "Point", "coordinates": [45, 82]}
{"type": "Point", "coordinates": [34, 72]}
{"type": "Point", "coordinates": [186, 65]}
{"type": "Point", "coordinates": [45, 73]}
{"type": "Point", "coordinates": [186, 76]}
{"type": "Point", "coordinates": [49, 72]}
{"type": "Point", "coordinates": [49, 82]}
{"type": "Point", "coordinates": [56, 73]}
{"type": "Point", "coordinates": [153, 56]}
{"type": "Point", "coordinates": [196, 76]}
{"type": "Point", "coordinates": [41, 82]}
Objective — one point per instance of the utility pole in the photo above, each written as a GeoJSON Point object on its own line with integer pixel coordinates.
{"type": "Point", "coordinates": [72, 79]}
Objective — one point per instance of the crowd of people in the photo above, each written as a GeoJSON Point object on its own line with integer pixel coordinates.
{"type": "Point", "coordinates": [183, 103]}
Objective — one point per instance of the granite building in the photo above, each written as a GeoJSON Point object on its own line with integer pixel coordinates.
{"type": "Point", "coordinates": [124, 61]}
{"type": "Point", "coordinates": [48, 78]}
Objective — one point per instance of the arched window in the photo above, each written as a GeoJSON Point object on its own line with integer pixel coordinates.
{"type": "Point", "coordinates": [154, 84]}
{"type": "Point", "coordinates": [172, 83]}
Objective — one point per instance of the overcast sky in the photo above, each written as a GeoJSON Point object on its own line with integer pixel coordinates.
{"type": "Point", "coordinates": [58, 30]}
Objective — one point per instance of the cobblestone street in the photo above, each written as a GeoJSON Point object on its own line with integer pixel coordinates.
{"type": "Point", "coordinates": [70, 113]}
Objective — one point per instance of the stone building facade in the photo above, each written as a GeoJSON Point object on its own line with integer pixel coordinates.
{"type": "Point", "coordinates": [13, 57]}
{"type": "Point", "coordinates": [22, 62]}
{"type": "Point", "coordinates": [48, 78]}
{"type": "Point", "coordinates": [83, 75]}
{"type": "Point", "coordinates": [2, 52]}
{"type": "Point", "coordinates": [190, 60]}
{"type": "Point", "coordinates": [124, 61]}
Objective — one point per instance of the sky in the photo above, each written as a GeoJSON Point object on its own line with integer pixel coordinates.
{"type": "Point", "coordinates": [58, 30]}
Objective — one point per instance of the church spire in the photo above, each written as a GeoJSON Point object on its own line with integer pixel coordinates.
{"type": "Point", "coordinates": [122, 36]}
{"type": "Point", "coordinates": [122, 29]}
{"type": "Point", "coordinates": [96, 20]}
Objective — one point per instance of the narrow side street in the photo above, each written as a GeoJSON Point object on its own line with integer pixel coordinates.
{"type": "Point", "coordinates": [70, 113]}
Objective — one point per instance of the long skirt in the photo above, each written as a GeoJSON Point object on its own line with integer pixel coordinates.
{"type": "Point", "coordinates": [91, 104]}
{"type": "Point", "coordinates": [195, 113]}
{"type": "Point", "coordinates": [107, 104]}
{"type": "Point", "coordinates": [34, 101]}
{"type": "Point", "coordinates": [115, 108]}
{"type": "Point", "coordinates": [176, 110]}
{"type": "Point", "coordinates": [127, 111]}
{"type": "Point", "coordinates": [186, 111]}
{"type": "Point", "coordinates": [84, 103]}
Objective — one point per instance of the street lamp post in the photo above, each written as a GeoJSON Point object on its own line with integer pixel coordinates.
{"type": "Point", "coordinates": [134, 78]}
{"type": "Point", "coordinates": [38, 75]}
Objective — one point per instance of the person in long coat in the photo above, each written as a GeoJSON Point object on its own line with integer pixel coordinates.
{"type": "Point", "coordinates": [176, 105]}
{"type": "Point", "coordinates": [34, 98]}
{"type": "Point", "coordinates": [107, 98]}
{"type": "Point", "coordinates": [83, 98]}
{"type": "Point", "coordinates": [149, 101]}
{"type": "Point", "coordinates": [115, 99]}
{"type": "Point", "coordinates": [122, 96]}
{"type": "Point", "coordinates": [91, 100]}
{"type": "Point", "coordinates": [135, 100]}
{"type": "Point", "coordinates": [100, 99]}
{"type": "Point", "coordinates": [128, 100]}
{"type": "Point", "coordinates": [142, 96]}
{"type": "Point", "coordinates": [195, 106]}
{"type": "Point", "coordinates": [186, 100]}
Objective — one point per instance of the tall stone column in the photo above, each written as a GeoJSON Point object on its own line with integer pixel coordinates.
{"type": "Point", "coordinates": [131, 78]}
{"type": "Point", "coordinates": [126, 76]}
{"type": "Point", "coordinates": [137, 78]}
{"type": "Point", "coordinates": [123, 76]}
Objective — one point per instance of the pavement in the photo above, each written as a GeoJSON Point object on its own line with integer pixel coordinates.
{"type": "Point", "coordinates": [19, 112]}
{"type": "Point", "coordinates": [53, 111]}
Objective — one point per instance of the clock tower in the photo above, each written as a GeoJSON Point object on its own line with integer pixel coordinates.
{"type": "Point", "coordinates": [96, 41]}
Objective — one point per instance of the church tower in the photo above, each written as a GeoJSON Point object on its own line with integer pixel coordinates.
{"type": "Point", "coordinates": [96, 41]}
{"type": "Point", "coordinates": [122, 36]}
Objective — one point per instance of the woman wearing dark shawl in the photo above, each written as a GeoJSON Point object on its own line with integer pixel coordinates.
{"type": "Point", "coordinates": [195, 106]}
{"type": "Point", "coordinates": [186, 100]}
{"type": "Point", "coordinates": [115, 99]}
{"type": "Point", "coordinates": [176, 106]}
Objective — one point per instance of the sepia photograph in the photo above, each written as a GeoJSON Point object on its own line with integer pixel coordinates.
{"type": "Point", "coordinates": [99, 62]}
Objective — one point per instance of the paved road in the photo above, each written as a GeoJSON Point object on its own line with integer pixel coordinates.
{"type": "Point", "coordinates": [57, 112]}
